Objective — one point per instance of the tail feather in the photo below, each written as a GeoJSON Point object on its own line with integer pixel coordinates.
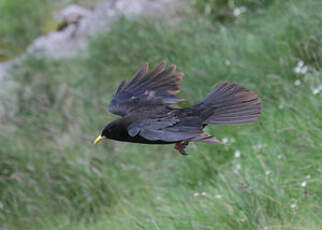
{"type": "Point", "coordinates": [205, 137]}
{"type": "Point", "coordinates": [229, 103]}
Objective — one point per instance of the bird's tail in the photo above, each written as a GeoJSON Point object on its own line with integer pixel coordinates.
{"type": "Point", "coordinates": [229, 103]}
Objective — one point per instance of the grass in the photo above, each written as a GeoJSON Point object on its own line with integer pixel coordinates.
{"type": "Point", "coordinates": [52, 177]}
{"type": "Point", "coordinates": [20, 23]}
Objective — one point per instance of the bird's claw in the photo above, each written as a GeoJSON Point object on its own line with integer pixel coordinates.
{"type": "Point", "coordinates": [180, 147]}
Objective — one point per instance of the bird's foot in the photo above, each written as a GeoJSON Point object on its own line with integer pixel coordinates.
{"type": "Point", "coordinates": [180, 146]}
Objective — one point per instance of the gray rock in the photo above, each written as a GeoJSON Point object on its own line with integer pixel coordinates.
{"type": "Point", "coordinates": [78, 24]}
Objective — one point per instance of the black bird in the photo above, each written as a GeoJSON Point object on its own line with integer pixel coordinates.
{"type": "Point", "coordinates": [147, 118]}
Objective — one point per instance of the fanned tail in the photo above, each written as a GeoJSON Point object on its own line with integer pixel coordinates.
{"type": "Point", "coordinates": [229, 103]}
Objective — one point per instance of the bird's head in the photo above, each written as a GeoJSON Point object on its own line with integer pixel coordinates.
{"type": "Point", "coordinates": [111, 131]}
{"type": "Point", "coordinates": [106, 133]}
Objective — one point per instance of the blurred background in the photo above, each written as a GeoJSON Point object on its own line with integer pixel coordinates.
{"type": "Point", "coordinates": [61, 60]}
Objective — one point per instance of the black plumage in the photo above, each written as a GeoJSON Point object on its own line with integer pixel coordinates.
{"type": "Point", "coordinates": [146, 115]}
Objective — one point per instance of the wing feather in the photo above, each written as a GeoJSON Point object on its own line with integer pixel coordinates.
{"type": "Point", "coordinates": [167, 128]}
{"type": "Point", "coordinates": [155, 88]}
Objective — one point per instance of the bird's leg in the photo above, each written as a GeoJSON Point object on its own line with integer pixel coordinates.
{"type": "Point", "coordinates": [180, 146]}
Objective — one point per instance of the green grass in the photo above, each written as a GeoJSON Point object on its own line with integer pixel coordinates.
{"type": "Point", "coordinates": [20, 23]}
{"type": "Point", "coordinates": [53, 177]}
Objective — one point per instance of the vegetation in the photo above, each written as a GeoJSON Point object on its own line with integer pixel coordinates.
{"type": "Point", "coordinates": [268, 176]}
{"type": "Point", "coordinates": [20, 23]}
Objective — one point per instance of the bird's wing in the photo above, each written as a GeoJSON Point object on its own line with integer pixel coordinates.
{"type": "Point", "coordinates": [155, 88]}
{"type": "Point", "coordinates": [167, 128]}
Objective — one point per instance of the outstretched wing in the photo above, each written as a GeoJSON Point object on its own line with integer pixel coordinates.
{"type": "Point", "coordinates": [156, 88]}
{"type": "Point", "coordinates": [167, 127]}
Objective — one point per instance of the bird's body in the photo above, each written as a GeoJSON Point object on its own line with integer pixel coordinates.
{"type": "Point", "coordinates": [147, 117]}
{"type": "Point", "coordinates": [118, 129]}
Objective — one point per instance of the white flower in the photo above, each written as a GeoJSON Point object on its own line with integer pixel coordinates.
{"type": "Point", "coordinates": [300, 63]}
{"type": "Point", "coordinates": [304, 69]}
{"type": "Point", "coordinates": [239, 10]}
{"type": "Point", "coordinates": [303, 184]}
{"type": "Point", "coordinates": [297, 69]}
{"type": "Point", "coordinates": [297, 82]}
{"type": "Point", "coordinates": [237, 154]}
{"type": "Point", "coordinates": [279, 156]}
{"type": "Point", "coordinates": [203, 194]}
{"type": "Point", "coordinates": [267, 172]}
{"type": "Point", "coordinates": [258, 147]}
{"type": "Point", "coordinates": [300, 68]}
{"type": "Point", "coordinates": [218, 196]}
{"type": "Point", "coordinates": [317, 90]}
{"type": "Point", "coordinates": [225, 140]}
{"type": "Point", "coordinates": [196, 194]}
{"type": "Point", "coordinates": [237, 167]}
{"type": "Point", "coordinates": [293, 205]}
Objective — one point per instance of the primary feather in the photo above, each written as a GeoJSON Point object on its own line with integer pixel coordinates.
{"type": "Point", "coordinates": [156, 88]}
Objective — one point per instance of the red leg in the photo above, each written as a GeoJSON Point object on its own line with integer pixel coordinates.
{"type": "Point", "coordinates": [180, 146]}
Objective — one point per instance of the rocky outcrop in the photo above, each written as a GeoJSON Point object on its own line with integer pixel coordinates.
{"type": "Point", "coordinates": [78, 24]}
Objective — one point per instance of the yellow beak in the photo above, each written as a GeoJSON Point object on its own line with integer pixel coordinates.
{"type": "Point", "coordinates": [98, 139]}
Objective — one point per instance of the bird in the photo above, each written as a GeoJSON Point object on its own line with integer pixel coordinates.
{"type": "Point", "coordinates": [147, 117]}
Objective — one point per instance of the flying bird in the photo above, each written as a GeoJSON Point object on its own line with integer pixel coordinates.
{"type": "Point", "coordinates": [147, 118]}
